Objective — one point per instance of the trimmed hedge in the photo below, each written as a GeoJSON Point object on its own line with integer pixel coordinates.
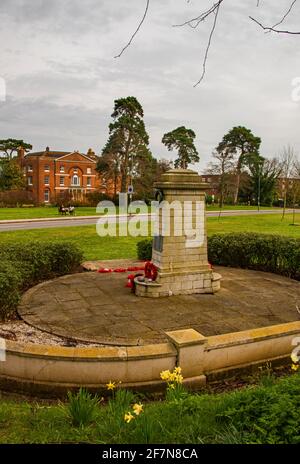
{"type": "Point", "coordinates": [24, 265]}
{"type": "Point", "coordinates": [144, 249]}
{"type": "Point", "coordinates": [270, 253]}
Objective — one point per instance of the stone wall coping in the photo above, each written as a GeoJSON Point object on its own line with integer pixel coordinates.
{"type": "Point", "coordinates": [146, 284]}
{"type": "Point", "coordinates": [251, 336]}
{"type": "Point", "coordinates": [186, 337]}
{"type": "Point", "coordinates": [92, 354]}
{"type": "Point", "coordinates": [190, 186]}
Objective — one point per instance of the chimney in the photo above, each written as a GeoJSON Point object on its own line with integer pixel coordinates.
{"type": "Point", "coordinates": [21, 153]}
{"type": "Point", "coordinates": [90, 152]}
{"type": "Point", "coordinates": [47, 149]}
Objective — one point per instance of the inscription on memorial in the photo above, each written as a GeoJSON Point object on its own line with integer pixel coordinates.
{"type": "Point", "coordinates": [158, 243]}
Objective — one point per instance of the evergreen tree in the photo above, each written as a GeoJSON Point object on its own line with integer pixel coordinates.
{"type": "Point", "coordinates": [182, 140]}
{"type": "Point", "coordinates": [127, 136]}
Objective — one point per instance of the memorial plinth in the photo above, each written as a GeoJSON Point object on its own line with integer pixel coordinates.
{"type": "Point", "coordinates": [180, 243]}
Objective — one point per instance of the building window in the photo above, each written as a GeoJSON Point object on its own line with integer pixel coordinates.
{"type": "Point", "coordinates": [89, 171]}
{"type": "Point", "coordinates": [47, 180]}
{"type": "Point", "coordinates": [29, 168]}
{"type": "Point", "coordinates": [47, 168]}
{"type": "Point", "coordinates": [62, 169]}
{"type": "Point", "coordinates": [61, 181]}
{"type": "Point", "coordinates": [46, 196]}
{"type": "Point", "coordinates": [89, 182]}
{"type": "Point", "coordinates": [75, 180]}
{"type": "Point", "coordinates": [29, 180]}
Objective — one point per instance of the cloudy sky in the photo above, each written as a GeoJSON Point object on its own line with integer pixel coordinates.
{"type": "Point", "coordinates": [57, 59]}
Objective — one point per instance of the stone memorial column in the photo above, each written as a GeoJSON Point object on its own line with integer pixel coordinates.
{"type": "Point", "coordinates": [180, 244]}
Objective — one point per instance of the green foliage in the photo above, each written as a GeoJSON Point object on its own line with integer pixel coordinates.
{"type": "Point", "coordinates": [127, 139]}
{"type": "Point", "coordinates": [144, 249]}
{"type": "Point", "coordinates": [82, 407]}
{"type": "Point", "coordinates": [263, 176]}
{"type": "Point", "coordinates": [10, 283]}
{"type": "Point", "coordinates": [22, 265]}
{"type": "Point", "coordinates": [240, 141]}
{"type": "Point", "coordinates": [182, 139]}
{"type": "Point", "coordinates": [266, 414]}
{"type": "Point", "coordinates": [270, 253]}
{"type": "Point", "coordinates": [175, 392]}
{"type": "Point", "coordinates": [10, 146]}
{"type": "Point", "coordinates": [242, 144]}
{"type": "Point", "coordinates": [11, 176]}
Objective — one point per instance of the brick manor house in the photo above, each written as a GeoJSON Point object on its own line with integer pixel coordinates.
{"type": "Point", "coordinates": [53, 175]}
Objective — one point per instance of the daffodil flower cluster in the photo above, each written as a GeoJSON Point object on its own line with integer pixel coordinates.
{"type": "Point", "coordinates": [137, 409]}
{"type": "Point", "coordinates": [172, 378]}
{"type": "Point", "coordinates": [296, 361]}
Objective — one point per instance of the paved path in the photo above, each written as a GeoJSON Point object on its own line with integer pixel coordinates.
{"type": "Point", "coordinates": [27, 224]}
{"type": "Point", "coordinates": [98, 308]}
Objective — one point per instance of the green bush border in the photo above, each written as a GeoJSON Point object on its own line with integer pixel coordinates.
{"type": "Point", "coordinates": [263, 252]}
{"type": "Point", "coordinates": [23, 265]}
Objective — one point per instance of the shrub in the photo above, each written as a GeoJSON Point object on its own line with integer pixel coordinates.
{"type": "Point", "coordinates": [144, 249]}
{"type": "Point", "coordinates": [25, 264]}
{"type": "Point", "coordinates": [271, 253]}
{"type": "Point", "coordinates": [10, 283]}
{"type": "Point", "coordinates": [266, 414]}
{"type": "Point", "coordinates": [82, 407]}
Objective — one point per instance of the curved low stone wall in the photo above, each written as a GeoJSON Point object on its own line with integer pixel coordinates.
{"type": "Point", "coordinates": [53, 370]}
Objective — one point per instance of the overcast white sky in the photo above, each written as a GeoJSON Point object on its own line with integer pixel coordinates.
{"type": "Point", "coordinates": [62, 79]}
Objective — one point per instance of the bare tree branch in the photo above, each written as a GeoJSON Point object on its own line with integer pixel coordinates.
{"type": "Point", "coordinates": [194, 22]}
{"type": "Point", "coordinates": [136, 31]}
{"type": "Point", "coordinates": [272, 29]}
{"type": "Point", "coordinates": [213, 10]}
{"type": "Point", "coordinates": [208, 46]}
{"type": "Point", "coordinates": [286, 15]}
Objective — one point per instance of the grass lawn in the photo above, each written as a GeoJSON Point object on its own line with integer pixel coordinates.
{"type": "Point", "coordinates": [239, 207]}
{"type": "Point", "coordinates": [51, 212]}
{"type": "Point", "coordinates": [40, 212]}
{"type": "Point", "coordinates": [95, 247]}
{"type": "Point", "coordinates": [266, 413]}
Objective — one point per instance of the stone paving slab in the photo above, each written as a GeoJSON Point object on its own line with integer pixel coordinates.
{"type": "Point", "coordinates": [97, 308]}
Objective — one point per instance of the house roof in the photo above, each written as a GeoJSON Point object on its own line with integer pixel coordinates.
{"type": "Point", "coordinates": [60, 154]}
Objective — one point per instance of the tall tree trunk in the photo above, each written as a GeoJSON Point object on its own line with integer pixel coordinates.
{"type": "Point", "coordinates": [237, 187]}
{"type": "Point", "coordinates": [124, 169]}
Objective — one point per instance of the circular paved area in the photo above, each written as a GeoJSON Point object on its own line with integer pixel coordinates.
{"type": "Point", "coordinates": [98, 308]}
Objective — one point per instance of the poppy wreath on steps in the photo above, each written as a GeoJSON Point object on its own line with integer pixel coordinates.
{"type": "Point", "coordinates": [130, 281]}
{"type": "Point", "coordinates": [150, 271]}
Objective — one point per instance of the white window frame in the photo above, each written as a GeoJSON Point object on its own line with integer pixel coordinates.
{"type": "Point", "coordinates": [29, 168]}
{"type": "Point", "coordinates": [62, 169]}
{"type": "Point", "coordinates": [89, 170]}
{"type": "Point", "coordinates": [47, 194]}
{"type": "Point", "coordinates": [62, 181]}
{"type": "Point", "coordinates": [47, 168]}
{"type": "Point", "coordinates": [89, 182]}
{"type": "Point", "coordinates": [30, 180]}
{"type": "Point", "coordinates": [77, 184]}
{"type": "Point", "coordinates": [47, 183]}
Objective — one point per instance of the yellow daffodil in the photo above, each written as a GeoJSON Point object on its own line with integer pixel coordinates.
{"type": "Point", "coordinates": [294, 358]}
{"type": "Point", "coordinates": [172, 386]}
{"type": "Point", "coordinates": [295, 367]}
{"type": "Point", "coordinates": [137, 409]}
{"type": "Point", "coordinates": [177, 370]}
{"type": "Point", "coordinates": [165, 375]}
{"type": "Point", "coordinates": [179, 379]}
{"type": "Point", "coordinates": [111, 385]}
{"type": "Point", "coordinates": [128, 417]}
